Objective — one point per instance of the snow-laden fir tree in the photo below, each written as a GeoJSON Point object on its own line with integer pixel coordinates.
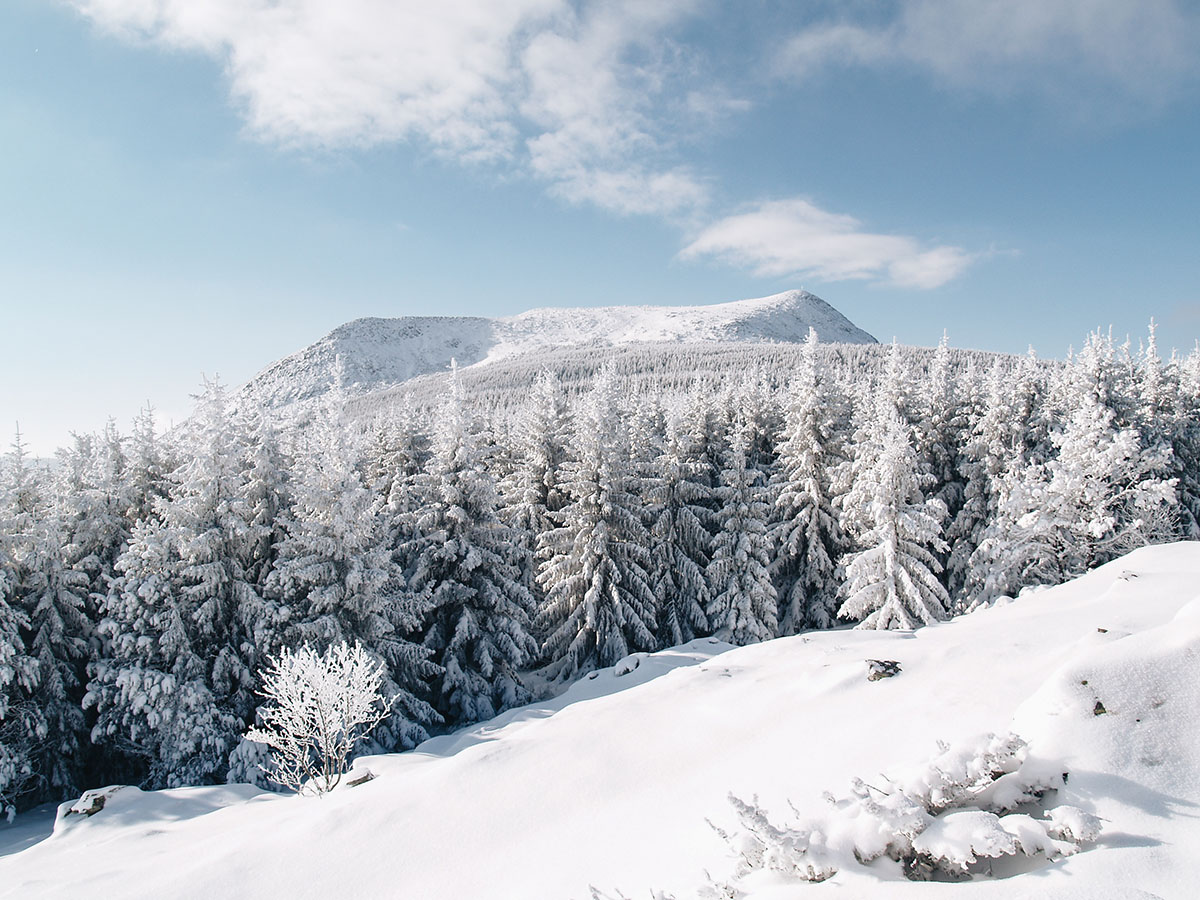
{"type": "Point", "coordinates": [1185, 440]}
{"type": "Point", "coordinates": [531, 495]}
{"type": "Point", "coordinates": [1104, 494]}
{"type": "Point", "coordinates": [396, 456]}
{"type": "Point", "coordinates": [94, 502]}
{"type": "Point", "coordinates": [1106, 491]}
{"type": "Point", "coordinates": [268, 499]}
{"type": "Point", "coordinates": [147, 465]}
{"type": "Point", "coordinates": [54, 596]}
{"type": "Point", "coordinates": [184, 623]}
{"type": "Point", "coordinates": [335, 581]}
{"type": "Point", "coordinates": [1009, 439]}
{"type": "Point", "coordinates": [743, 605]}
{"type": "Point", "coordinates": [942, 421]}
{"type": "Point", "coordinates": [892, 581]}
{"type": "Point", "coordinates": [465, 571]}
{"type": "Point", "coordinates": [679, 496]}
{"type": "Point", "coordinates": [596, 575]}
{"type": "Point", "coordinates": [1167, 414]}
{"type": "Point", "coordinates": [21, 724]}
{"type": "Point", "coordinates": [806, 534]}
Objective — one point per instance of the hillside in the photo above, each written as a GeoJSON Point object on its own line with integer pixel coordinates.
{"type": "Point", "coordinates": [377, 353]}
{"type": "Point", "coordinates": [610, 784]}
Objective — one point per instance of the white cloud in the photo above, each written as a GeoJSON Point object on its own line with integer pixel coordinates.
{"type": "Point", "coordinates": [355, 72]}
{"type": "Point", "coordinates": [590, 97]}
{"type": "Point", "coordinates": [573, 97]}
{"type": "Point", "coordinates": [1070, 48]}
{"type": "Point", "coordinates": [795, 237]}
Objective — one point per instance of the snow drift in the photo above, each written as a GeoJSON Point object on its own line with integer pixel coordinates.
{"type": "Point", "coordinates": [611, 784]}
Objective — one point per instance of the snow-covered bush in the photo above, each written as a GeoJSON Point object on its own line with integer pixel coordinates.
{"type": "Point", "coordinates": [321, 705]}
{"type": "Point", "coordinates": [937, 821]}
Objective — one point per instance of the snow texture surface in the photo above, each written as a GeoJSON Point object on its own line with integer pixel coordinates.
{"type": "Point", "coordinates": [610, 784]}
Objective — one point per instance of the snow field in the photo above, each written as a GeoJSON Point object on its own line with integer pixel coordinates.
{"type": "Point", "coordinates": [610, 784]}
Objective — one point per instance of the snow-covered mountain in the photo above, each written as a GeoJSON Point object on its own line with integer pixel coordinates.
{"type": "Point", "coordinates": [611, 783]}
{"type": "Point", "coordinates": [377, 353]}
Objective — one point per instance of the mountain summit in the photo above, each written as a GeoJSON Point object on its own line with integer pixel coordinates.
{"type": "Point", "coordinates": [377, 353]}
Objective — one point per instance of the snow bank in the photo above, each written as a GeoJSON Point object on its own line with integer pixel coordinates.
{"type": "Point", "coordinates": [610, 783]}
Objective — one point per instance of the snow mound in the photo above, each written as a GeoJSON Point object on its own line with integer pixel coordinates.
{"type": "Point", "coordinates": [377, 353]}
{"type": "Point", "coordinates": [612, 782]}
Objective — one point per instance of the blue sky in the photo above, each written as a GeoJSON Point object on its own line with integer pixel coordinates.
{"type": "Point", "coordinates": [203, 186]}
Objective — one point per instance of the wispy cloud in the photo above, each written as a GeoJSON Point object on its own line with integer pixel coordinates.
{"type": "Point", "coordinates": [795, 237]}
{"type": "Point", "coordinates": [574, 97]}
{"type": "Point", "coordinates": [589, 97]}
{"type": "Point", "coordinates": [1085, 51]}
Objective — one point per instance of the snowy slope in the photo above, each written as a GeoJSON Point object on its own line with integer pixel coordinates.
{"type": "Point", "coordinates": [377, 353]}
{"type": "Point", "coordinates": [610, 784]}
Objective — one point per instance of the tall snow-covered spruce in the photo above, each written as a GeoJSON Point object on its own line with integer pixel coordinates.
{"type": "Point", "coordinates": [892, 580]}
{"type": "Point", "coordinates": [743, 605]}
{"type": "Point", "coordinates": [806, 533]}
{"type": "Point", "coordinates": [596, 576]}
{"type": "Point", "coordinates": [679, 496]}
{"type": "Point", "coordinates": [464, 568]}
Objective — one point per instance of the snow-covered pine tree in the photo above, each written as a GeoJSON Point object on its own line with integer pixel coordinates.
{"type": "Point", "coordinates": [95, 505]}
{"type": "Point", "coordinates": [530, 495]}
{"type": "Point", "coordinates": [54, 597]}
{"type": "Point", "coordinates": [943, 419]}
{"type": "Point", "coordinates": [1185, 440]}
{"type": "Point", "coordinates": [892, 581]}
{"type": "Point", "coordinates": [1106, 491]}
{"type": "Point", "coordinates": [743, 605]}
{"type": "Point", "coordinates": [465, 570]}
{"type": "Point", "coordinates": [268, 502]}
{"type": "Point", "coordinates": [599, 605]}
{"type": "Point", "coordinates": [678, 498]}
{"type": "Point", "coordinates": [21, 723]}
{"type": "Point", "coordinates": [1167, 414]}
{"type": "Point", "coordinates": [336, 582]}
{"type": "Point", "coordinates": [806, 534]}
{"type": "Point", "coordinates": [149, 462]}
{"type": "Point", "coordinates": [183, 619]}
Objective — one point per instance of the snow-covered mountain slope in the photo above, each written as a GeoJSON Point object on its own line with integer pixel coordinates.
{"type": "Point", "coordinates": [377, 353]}
{"type": "Point", "coordinates": [611, 787]}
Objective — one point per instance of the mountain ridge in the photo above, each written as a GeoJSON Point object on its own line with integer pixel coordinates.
{"type": "Point", "coordinates": [376, 353]}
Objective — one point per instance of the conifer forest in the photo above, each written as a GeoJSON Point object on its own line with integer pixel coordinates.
{"type": "Point", "coordinates": [488, 543]}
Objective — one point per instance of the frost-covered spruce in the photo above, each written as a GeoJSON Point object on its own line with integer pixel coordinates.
{"type": "Point", "coordinates": [464, 567]}
{"type": "Point", "coordinates": [892, 581]}
{"type": "Point", "coordinates": [54, 597]}
{"type": "Point", "coordinates": [94, 502]}
{"type": "Point", "coordinates": [1106, 491]}
{"type": "Point", "coordinates": [743, 605]}
{"type": "Point", "coordinates": [1008, 445]}
{"type": "Point", "coordinates": [943, 419]}
{"type": "Point", "coordinates": [149, 462]}
{"type": "Point", "coordinates": [679, 494]}
{"type": "Point", "coordinates": [21, 723]}
{"type": "Point", "coordinates": [1185, 440]}
{"type": "Point", "coordinates": [806, 533]}
{"type": "Point", "coordinates": [599, 605]}
{"type": "Point", "coordinates": [184, 619]}
{"type": "Point", "coordinates": [530, 494]}
{"type": "Point", "coordinates": [335, 581]}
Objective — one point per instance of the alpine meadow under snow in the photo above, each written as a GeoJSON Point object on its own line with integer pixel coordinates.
{"type": "Point", "coordinates": [518, 549]}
